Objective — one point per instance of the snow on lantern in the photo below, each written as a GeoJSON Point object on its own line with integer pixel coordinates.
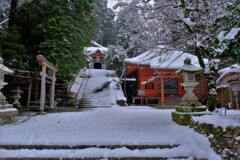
{"type": "Point", "coordinates": [188, 71]}
{"type": "Point", "coordinates": [3, 70]}
{"type": "Point", "coordinates": [7, 112]}
{"type": "Point", "coordinates": [189, 106]}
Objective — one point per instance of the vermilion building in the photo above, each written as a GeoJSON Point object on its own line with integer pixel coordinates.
{"type": "Point", "coordinates": [152, 73]}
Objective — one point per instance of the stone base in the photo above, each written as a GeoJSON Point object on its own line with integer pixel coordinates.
{"type": "Point", "coordinates": [7, 114]}
{"type": "Point", "coordinates": [183, 114]}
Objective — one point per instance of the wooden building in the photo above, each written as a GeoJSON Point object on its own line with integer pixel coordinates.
{"type": "Point", "coordinates": [152, 73]}
{"type": "Point", "coordinates": [228, 93]}
{"type": "Point", "coordinates": [96, 56]}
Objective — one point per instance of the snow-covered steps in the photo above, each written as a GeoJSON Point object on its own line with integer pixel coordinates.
{"type": "Point", "coordinates": [121, 152]}
{"type": "Point", "coordinates": [97, 91]}
{"type": "Point", "coordinates": [66, 147]}
{"type": "Point", "coordinates": [117, 126]}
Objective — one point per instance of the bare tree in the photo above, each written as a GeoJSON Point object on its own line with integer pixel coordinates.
{"type": "Point", "coordinates": [184, 25]}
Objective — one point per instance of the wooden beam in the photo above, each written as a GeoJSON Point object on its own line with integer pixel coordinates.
{"type": "Point", "coordinates": [29, 93]}
{"type": "Point", "coordinates": [42, 61]}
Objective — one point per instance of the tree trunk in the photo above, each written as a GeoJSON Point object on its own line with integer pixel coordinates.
{"type": "Point", "coordinates": [211, 77]}
{"type": "Point", "coordinates": [12, 12]}
{"type": "Point", "coordinates": [199, 56]}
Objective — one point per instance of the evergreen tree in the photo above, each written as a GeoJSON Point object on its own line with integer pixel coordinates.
{"type": "Point", "coordinates": [56, 29]}
{"type": "Point", "coordinates": [227, 33]}
{"type": "Point", "coordinates": [106, 26]}
{"type": "Point", "coordinates": [115, 57]}
{"type": "Point", "coordinates": [12, 51]}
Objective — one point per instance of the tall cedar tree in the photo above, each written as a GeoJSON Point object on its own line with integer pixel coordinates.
{"type": "Point", "coordinates": [228, 49]}
{"type": "Point", "coordinates": [56, 29]}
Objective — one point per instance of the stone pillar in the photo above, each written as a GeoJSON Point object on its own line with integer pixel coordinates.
{"type": "Point", "coordinates": [189, 85]}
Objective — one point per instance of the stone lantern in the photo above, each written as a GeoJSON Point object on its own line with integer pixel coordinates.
{"type": "Point", "coordinates": [17, 95]}
{"type": "Point", "coordinates": [7, 112]}
{"type": "Point", "coordinates": [3, 70]}
{"type": "Point", "coordinates": [189, 106]}
{"type": "Point", "coordinates": [188, 71]}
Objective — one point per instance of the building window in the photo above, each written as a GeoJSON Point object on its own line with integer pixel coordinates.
{"type": "Point", "coordinates": [149, 85]}
{"type": "Point", "coordinates": [170, 86]}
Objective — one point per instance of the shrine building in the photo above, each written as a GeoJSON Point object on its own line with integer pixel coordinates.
{"type": "Point", "coordinates": [148, 75]}
{"type": "Point", "coordinates": [96, 56]}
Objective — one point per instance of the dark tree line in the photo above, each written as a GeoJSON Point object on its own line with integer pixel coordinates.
{"type": "Point", "coordinates": [57, 29]}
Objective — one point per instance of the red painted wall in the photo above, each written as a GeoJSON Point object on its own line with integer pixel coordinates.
{"type": "Point", "coordinates": [145, 72]}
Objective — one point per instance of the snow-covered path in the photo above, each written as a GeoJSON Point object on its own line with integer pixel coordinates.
{"type": "Point", "coordinates": [106, 126]}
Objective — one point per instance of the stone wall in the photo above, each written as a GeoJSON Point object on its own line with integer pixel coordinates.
{"type": "Point", "coordinates": [225, 141]}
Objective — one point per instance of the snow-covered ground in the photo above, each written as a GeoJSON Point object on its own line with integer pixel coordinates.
{"type": "Point", "coordinates": [232, 118]}
{"type": "Point", "coordinates": [115, 126]}
{"type": "Point", "coordinates": [106, 126]}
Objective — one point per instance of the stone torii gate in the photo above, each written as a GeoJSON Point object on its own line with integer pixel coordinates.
{"type": "Point", "coordinates": [46, 64]}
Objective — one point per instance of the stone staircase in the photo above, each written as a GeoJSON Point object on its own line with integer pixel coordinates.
{"type": "Point", "coordinates": [87, 101]}
{"type": "Point", "coordinates": [134, 152]}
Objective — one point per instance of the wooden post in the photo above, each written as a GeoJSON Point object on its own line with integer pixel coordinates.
{"type": "Point", "coordinates": [29, 94]}
{"type": "Point", "coordinates": [52, 103]}
{"type": "Point", "coordinates": [162, 91]}
{"type": "Point", "coordinates": [231, 97]}
{"type": "Point", "coordinates": [36, 91]}
{"type": "Point", "coordinates": [43, 88]}
{"type": "Point", "coordinates": [236, 96]}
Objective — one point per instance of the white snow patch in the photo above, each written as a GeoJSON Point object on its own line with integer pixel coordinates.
{"type": "Point", "coordinates": [8, 110]}
{"type": "Point", "coordinates": [232, 34]}
{"type": "Point", "coordinates": [231, 119]}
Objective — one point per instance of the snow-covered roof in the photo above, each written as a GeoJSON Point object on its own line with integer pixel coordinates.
{"type": "Point", "coordinates": [228, 68]}
{"type": "Point", "coordinates": [163, 57]}
{"type": "Point", "coordinates": [95, 47]}
{"type": "Point", "coordinates": [231, 74]}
